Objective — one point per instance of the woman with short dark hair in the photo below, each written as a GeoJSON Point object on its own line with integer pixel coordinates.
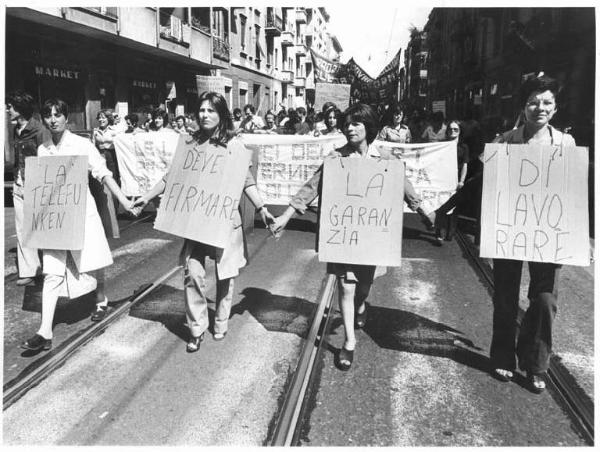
{"type": "Point", "coordinates": [360, 126]}
{"type": "Point", "coordinates": [395, 131]}
{"type": "Point", "coordinates": [62, 267]}
{"type": "Point", "coordinates": [214, 120]}
{"type": "Point", "coordinates": [534, 342]}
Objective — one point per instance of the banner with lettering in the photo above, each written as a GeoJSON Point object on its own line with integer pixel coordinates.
{"type": "Point", "coordinates": [286, 162]}
{"type": "Point", "coordinates": [325, 69]}
{"type": "Point", "coordinates": [534, 204]}
{"type": "Point", "coordinates": [144, 158]}
{"type": "Point", "coordinates": [203, 191]}
{"type": "Point", "coordinates": [361, 212]}
{"type": "Point", "coordinates": [54, 202]}
{"type": "Point", "coordinates": [430, 167]}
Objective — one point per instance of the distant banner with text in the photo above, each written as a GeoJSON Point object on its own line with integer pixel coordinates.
{"type": "Point", "coordinates": [54, 202]}
{"type": "Point", "coordinates": [286, 162]}
{"type": "Point", "coordinates": [430, 167]}
{"type": "Point", "coordinates": [144, 159]}
{"type": "Point", "coordinates": [203, 192]}
{"type": "Point", "coordinates": [361, 212]}
{"type": "Point", "coordinates": [534, 204]}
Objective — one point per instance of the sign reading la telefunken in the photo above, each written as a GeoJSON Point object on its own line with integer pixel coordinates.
{"type": "Point", "coordinates": [203, 190]}
{"type": "Point", "coordinates": [144, 159]}
{"type": "Point", "coordinates": [55, 201]}
{"type": "Point", "coordinates": [535, 204]}
{"type": "Point", "coordinates": [286, 162]}
{"type": "Point", "coordinates": [430, 167]}
{"type": "Point", "coordinates": [361, 211]}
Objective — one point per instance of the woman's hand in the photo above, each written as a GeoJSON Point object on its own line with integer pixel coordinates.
{"type": "Point", "coordinates": [138, 206]}
{"type": "Point", "coordinates": [266, 216]}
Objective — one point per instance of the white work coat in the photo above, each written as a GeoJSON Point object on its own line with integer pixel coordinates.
{"type": "Point", "coordinates": [95, 253]}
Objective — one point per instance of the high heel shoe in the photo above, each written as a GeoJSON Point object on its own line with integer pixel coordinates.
{"type": "Point", "coordinates": [360, 318]}
{"type": "Point", "coordinates": [193, 344]}
{"type": "Point", "coordinates": [536, 382]}
{"type": "Point", "coordinates": [345, 358]}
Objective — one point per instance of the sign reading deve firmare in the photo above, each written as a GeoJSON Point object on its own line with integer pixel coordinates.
{"type": "Point", "coordinates": [361, 211]}
{"type": "Point", "coordinates": [210, 83]}
{"type": "Point", "coordinates": [55, 201]}
{"type": "Point", "coordinates": [203, 190]}
{"type": "Point", "coordinates": [534, 203]}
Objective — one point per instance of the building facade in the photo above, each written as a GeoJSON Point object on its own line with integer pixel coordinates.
{"type": "Point", "coordinates": [478, 58]}
{"type": "Point", "coordinates": [133, 59]}
{"type": "Point", "coordinates": [128, 59]}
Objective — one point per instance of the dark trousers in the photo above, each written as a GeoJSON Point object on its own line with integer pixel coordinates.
{"type": "Point", "coordinates": [534, 344]}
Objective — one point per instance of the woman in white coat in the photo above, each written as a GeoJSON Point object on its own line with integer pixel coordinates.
{"type": "Point", "coordinates": [66, 271]}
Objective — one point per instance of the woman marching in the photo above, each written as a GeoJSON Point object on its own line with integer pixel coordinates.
{"type": "Point", "coordinates": [215, 123]}
{"type": "Point", "coordinates": [95, 254]}
{"type": "Point", "coordinates": [534, 343]}
{"type": "Point", "coordinates": [360, 126]}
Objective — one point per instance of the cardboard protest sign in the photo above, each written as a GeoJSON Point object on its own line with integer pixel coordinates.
{"type": "Point", "coordinates": [210, 83]}
{"type": "Point", "coordinates": [534, 203]}
{"type": "Point", "coordinates": [286, 162]}
{"type": "Point", "coordinates": [430, 167]}
{"type": "Point", "coordinates": [337, 93]}
{"type": "Point", "coordinates": [361, 211]}
{"type": "Point", "coordinates": [144, 158]}
{"type": "Point", "coordinates": [55, 202]}
{"type": "Point", "coordinates": [203, 191]}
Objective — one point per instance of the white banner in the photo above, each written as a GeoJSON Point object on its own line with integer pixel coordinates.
{"type": "Point", "coordinates": [431, 168]}
{"type": "Point", "coordinates": [144, 158]}
{"type": "Point", "coordinates": [286, 162]}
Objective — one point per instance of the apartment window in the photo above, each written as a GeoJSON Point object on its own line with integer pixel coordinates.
{"type": "Point", "coordinates": [219, 23]}
{"type": "Point", "coordinates": [243, 31]}
{"type": "Point", "coordinates": [243, 97]}
{"type": "Point", "coordinates": [276, 58]}
{"type": "Point", "coordinates": [171, 22]}
{"type": "Point", "coordinates": [257, 48]}
{"type": "Point", "coordinates": [201, 19]}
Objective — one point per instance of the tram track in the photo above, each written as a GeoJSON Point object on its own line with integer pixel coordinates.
{"type": "Point", "coordinates": [287, 428]}
{"type": "Point", "coordinates": [42, 367]}
{"type": "Point", "coordinates": [561, 384]}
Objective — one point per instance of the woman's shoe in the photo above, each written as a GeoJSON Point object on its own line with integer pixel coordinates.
{"type": "Point", "coordinates": [99, 313]}
{"type": "Point", "coordinates": [37, 342]}
{"type": "Point", "coordinates": [360, 319]}
{"type": "Point", "coordinates": [345, 358]}
{"type": "Point", "coordinates": [503, 374]}
{"type": "Point", "coordinates": [219, 336]}
{"type": "Point", "coordinates": [536, 383]}
{"type": "Point", "coordinates": [193, 344]}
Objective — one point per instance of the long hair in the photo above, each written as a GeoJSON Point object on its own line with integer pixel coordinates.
{"type": "Point", "coordinates": [108, 113]}
{"type": "Point", "coordinates": [222, 133]}
{"type": "Point", "coordinates": [362, 113]}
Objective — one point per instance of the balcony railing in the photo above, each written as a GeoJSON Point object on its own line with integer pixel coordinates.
{"type": "Point", "coordinates": [301, 15]}
{"type": "Point", "coordinates": [173, 29]}
{"type": "Point", "coordinates": [287, 76]}
{"type": "Point", "coordinates": [106, 11]}
{"type": "Point", "coordinates": [274, 25]}
{"type": "Point", "coordinates": [220, 48]}
{"type": "Point", "coordinates": [287, 38]}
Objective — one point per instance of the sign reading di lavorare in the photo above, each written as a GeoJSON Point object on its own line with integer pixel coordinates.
{"type": "Point", "coordinates": [54, 202]}
{"type": "Point", "coordinates": [361, 211]}
{"type": "Point", "coordinates": [535, 204]}
{"type": "Point", "coordinates": [203, 191]}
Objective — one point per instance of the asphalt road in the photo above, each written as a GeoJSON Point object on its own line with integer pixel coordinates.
{"type": "Point", "coordinates": [419, 379]}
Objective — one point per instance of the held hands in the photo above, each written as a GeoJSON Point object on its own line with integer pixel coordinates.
{"type": "Point", "coordinates": [138, 206]}
{"type": "Point", "coordinates": [266, 216]}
